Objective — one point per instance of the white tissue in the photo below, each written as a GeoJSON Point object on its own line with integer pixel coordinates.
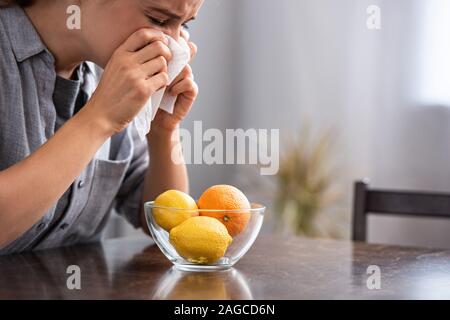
{"type": "Point", "coordinates": [181, 54]}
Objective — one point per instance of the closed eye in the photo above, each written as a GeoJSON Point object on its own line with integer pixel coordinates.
{"type": "Point", "coordinates": [162, 23]}
{"type": "Point", "coordinates": [157, 22]}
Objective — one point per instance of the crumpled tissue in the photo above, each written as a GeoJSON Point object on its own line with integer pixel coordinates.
{"type": "Point", "coordinates": [181, 54]}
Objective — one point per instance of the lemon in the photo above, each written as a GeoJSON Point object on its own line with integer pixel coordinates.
{"type": "Point", "coordinates": [202, 240]}
{"type": "Point", "coordinates": [167, 218]}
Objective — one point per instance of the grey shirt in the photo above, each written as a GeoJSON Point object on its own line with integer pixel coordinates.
{"type": "Point", "coordinates": [68, 99]}
{"type": "Point", "coordinates": [34, 104]}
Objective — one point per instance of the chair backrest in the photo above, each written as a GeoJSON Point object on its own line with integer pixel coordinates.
{"type": "Point", "coordinates": [387, 202]}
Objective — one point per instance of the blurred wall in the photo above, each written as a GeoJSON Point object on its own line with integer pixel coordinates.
{"type": "Point", "coordinates": [317, 58]}
{"type": "Point", "coordinates": [215, 33]}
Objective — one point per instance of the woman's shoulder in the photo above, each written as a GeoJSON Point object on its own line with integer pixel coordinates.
{"type": "Point", "coordinates": [19, 41]}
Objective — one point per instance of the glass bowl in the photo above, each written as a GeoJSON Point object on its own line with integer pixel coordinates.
{"type": "Point", "coordinates": [243, 236]}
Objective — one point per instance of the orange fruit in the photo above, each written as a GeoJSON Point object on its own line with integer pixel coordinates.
{"type": "Point", "coordinates": [224, 197]}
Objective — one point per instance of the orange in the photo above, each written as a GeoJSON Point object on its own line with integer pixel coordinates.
{"type": "Point", "coordinates": [224, 197]}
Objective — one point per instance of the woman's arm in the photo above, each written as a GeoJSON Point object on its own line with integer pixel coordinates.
{"type": "Point", "coordinates": [164, 173]}
{"type": "Point", "coordinates": [29, 188]}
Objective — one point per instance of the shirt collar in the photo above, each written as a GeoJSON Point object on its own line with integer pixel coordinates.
{"type": "Point", "coordinates": [25, 40]}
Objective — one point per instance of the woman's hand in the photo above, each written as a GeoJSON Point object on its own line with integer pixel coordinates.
{"type": "Point", "coordinates": [185, 88]}
{"type": "Point", "coordinates": [136, 70]}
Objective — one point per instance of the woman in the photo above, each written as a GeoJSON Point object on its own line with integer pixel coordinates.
{"type": "Point", "coordinates": [68, 152]}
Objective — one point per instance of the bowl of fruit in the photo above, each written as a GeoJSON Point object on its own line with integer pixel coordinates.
{"type": "Point", "coordinates": [210, 234]}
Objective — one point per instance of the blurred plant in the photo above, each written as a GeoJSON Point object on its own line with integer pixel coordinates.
{"type": "Point", "coordinates": [304, 198]}
{"type": "Point", "coordinates": [305, 184]}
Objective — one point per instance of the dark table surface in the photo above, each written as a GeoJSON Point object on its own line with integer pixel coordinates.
{"type": "Point", "coordinates": [275, 268]}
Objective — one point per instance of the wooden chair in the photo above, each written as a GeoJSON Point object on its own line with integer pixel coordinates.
{"type": "Point", "coordinates": [381, 202]}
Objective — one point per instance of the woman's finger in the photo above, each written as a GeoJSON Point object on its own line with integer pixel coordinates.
{"type": "Point", "coordinates": [186, 73]}
{"type": "Point", "coordinates": [142, 38]}
{"type": "Point", "coordinates": [185, 34]}
{"type": "Point", "coordinates": [187, 87]}
{"type": "Point", "coordinates": [182, 107]}
{"type": "Point", "coordinates": [194, 50]}
{"type": "Point", "coordinates": [158, 81]}
{"type": "Point", "coordinates": [157, 65]}
{"type": "Point", "coordinates": [153, 50]}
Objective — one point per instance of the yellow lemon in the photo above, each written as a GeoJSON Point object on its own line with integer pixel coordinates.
{"type": "Point", "coordinates": [167, 218]}
{"type": "Point", "coordinates": [202, 240]}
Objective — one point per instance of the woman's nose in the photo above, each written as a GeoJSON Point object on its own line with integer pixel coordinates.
{"type": "Point", "coordinates": [175, 33]}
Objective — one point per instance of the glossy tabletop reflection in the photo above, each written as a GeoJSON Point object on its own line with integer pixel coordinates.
{"type": "Point", "coordinates": [275, 268]}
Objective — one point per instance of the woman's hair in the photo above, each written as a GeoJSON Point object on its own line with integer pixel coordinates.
{"type": "Point", "coordinates": [23, 3]}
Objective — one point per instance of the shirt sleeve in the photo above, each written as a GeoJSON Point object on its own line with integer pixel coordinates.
{"type": "Point", "coordinates": [129, 196]}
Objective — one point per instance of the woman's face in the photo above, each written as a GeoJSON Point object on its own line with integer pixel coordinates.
{"type": "Point", "coordinates": [106, 24]}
